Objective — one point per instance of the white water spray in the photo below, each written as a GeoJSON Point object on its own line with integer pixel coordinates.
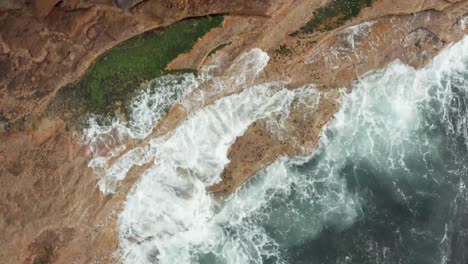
{"type": "Point", "coordinates": [170, 218]}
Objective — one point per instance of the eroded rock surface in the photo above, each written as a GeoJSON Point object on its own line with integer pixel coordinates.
{"type": "Point", "coordinates": [51, 209]}
{"type": "Point", "coordinates": [126, 4]}
{"type": "Point", "coordinates": [50, 206]}
{"type": "Point", "coordinates": [46, 44]}
{"type": "Point", "coordinates": [410, 32]}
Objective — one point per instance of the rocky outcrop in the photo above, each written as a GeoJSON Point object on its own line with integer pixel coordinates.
{"type": "Point", "coordinates": [126, 4]}
{"type": "Point", "coordinates": [46, 44]}
{"type": "Point", "coordinates": [412, 32]}
{"type": "Point", "coordinates": [50, 206]}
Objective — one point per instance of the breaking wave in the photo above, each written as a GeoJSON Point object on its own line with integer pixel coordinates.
{"type": "Point", "coordinates": [386, 185]}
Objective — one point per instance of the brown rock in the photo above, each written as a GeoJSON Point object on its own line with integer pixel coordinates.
{"type": "Point", "coordinates": [335, 62]}
{"type": "Point", "coordinates": [43, 7]}
{"type": "Point", "coordinates": [126, 4]}
{"type": "Point", "coordinates": [74, 33]}
{"type": "Point", "coordinates": [413, 32]}
{"type": "Point", "coordinates": [50, 207]}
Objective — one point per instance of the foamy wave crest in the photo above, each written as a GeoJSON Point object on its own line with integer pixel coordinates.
{"type": "Point", "coordinates": [186, 162]}
{"type": "Point", "coordinates": [291, 201]}
{"type": "Point", "coordinates": [382, 131]}
{"type": "Point", "coordinates": [106, 141]}
{"type": "Point", "coordinates": [190, 160]}
{"type": "Point", "coordinates": [384, 127]}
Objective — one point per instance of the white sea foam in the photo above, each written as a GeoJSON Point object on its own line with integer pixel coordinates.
{"type": "Point", "coordinates": [190, 160]}
{"type": "Point", "coordinates": [359, 30]}
{"type": "Point", "coordinates": [462, 22]}
{"type": "Point", "coordinates": [107, 140]}
{"type": "Point", "coordinates": [293, 199]}
{"type": "Point", "coordinates": [351, 37]}
{"type": "Point", "coordinates": [388, 124]}
{"type": "Point", "coordinates": [170, 218]}
{"type": "Point", "coordinates": [185, 161]}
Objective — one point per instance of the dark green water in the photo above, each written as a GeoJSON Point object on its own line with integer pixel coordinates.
{"type": "Point", "coordinates": [388, 184]}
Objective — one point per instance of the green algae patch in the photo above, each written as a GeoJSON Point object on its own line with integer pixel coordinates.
{"type": "Point", "coordinates": [45, 257]}
{"type": "Point", "coordinates": [333, 15]}
{"type": "Point", "coordinates": [115, 76]}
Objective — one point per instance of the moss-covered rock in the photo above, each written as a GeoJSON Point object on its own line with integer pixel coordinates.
{"type": "Point", "coordinates": [115, 76]}
{"type": "Point", "coordinates": [333, 15]}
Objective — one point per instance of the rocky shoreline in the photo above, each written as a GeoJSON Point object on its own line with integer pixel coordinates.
{"type": "Point", "coordinates": [51, 208]}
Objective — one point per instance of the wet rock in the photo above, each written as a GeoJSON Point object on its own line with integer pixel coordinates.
{"type": "Point", "coordinates": [126, 4]}
{"type": "Point", "coordinates": [462, 22]}
{"type": "Point", "coordinates": [46, 183]}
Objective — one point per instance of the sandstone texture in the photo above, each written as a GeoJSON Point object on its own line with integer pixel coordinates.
{"type": "Point", "coordinates": [46, 44]}
{"type": "Point", "coordinates": [412, 32]}
{"type": "Point", "coordinates": [50, 206]}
